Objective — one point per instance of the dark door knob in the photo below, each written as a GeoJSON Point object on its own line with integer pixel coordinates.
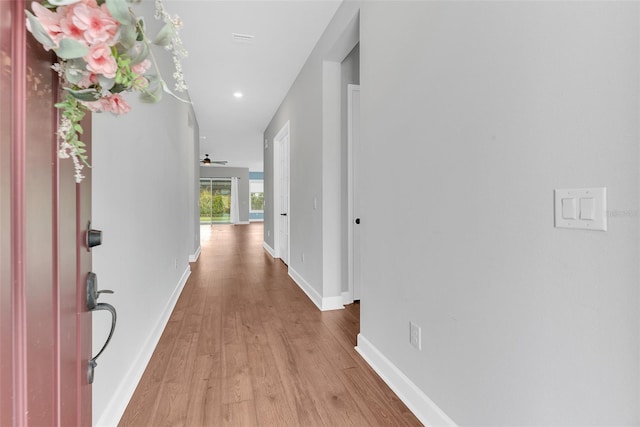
{"type": "Point", "coordinates": [94, 237]}
{"type": "Point", "coordinates": [357, 220]}
{"type": "Point", "coordinates": [283, 214]}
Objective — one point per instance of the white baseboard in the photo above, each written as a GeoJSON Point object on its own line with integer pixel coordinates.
{"type": "Point", "coordinates": [115, 408]}
{"type": "Point", "coordinates": [347, 298]}
{"type": "Point", "coordinates": [323, 303]}
{"type": "Point", "coordinates": [269, 249]}
{"type": "Point", "coordinates": [195, 256]}
{"type": "Point", "coordinates": [419, 403]}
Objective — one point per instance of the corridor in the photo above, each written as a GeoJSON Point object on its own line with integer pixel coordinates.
{"type": "Point", "coordinates": [245, 346]}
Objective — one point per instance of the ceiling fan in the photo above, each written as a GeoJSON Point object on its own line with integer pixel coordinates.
{"type": "Point", "coordinates": [207, 161]}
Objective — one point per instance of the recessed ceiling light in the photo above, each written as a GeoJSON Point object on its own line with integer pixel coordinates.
{"type": "Point", "coordinates": [238, 94]}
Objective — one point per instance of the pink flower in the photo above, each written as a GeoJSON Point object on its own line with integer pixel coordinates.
{"type": "Point", "coordinates": [142, 67]}
{"type": "Point", "coordinates": [49, 20]}
{"type": "Point", "coordinates": [70, 30]}
{"type": "Point", "coordinates": [116, 104]}
{"type": "Point", "coordinates": [112, 103]}
{"type": "Point", "coordinates": [95, 23]}
{"type": "Point", "coordinates": [95, 106]}
{"type": "Point", "coordinates": [101, 61]}
{"type": "Point", "coordinates": [140, 82]}
{"type": "Point", "coordinates": [88, 80]}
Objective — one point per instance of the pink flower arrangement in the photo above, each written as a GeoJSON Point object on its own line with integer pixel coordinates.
{"type": "Point", "coordinates": [102, 52]}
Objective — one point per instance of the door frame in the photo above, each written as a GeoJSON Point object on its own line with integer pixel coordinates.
{"type": "Point", "coordinates": [351, 191]}
{"type": "Point", "coordinates": [281, 144]}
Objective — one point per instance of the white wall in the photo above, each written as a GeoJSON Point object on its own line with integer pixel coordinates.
{"type": "Point", "coordinates": [472, 113]}
{"type": "Point", "coordinates": [477, 112]}
{"type": "Point", "coordinates": [144, 200]}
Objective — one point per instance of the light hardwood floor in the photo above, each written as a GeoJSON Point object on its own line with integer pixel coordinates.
{"type": "Point", "coordinates": [246, 347]}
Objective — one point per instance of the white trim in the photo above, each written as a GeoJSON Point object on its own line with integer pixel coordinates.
{"type": "Point", "coordinates": [242, 223]}
{"type": "Point", "coordinates": [332, 217]}
{"type": "Point", "coordinates": [269, 249]}
{"type": "Point", "coordinates": [416, 400]}
{"type": "Point", "coordinates": [194, 257]}
{"type": "Point", "coordinates": [351, 88]}
{"type": "Point", "coordinates": [115, 408]}
{"type": "Point", "coordinates": [256, 220]}
{"type": "Point", "coordinates": [347, 298]}
{"type": "Point", "coordinates": [332, 303]}
{"type": "Point", "coordinates": [324, 304]}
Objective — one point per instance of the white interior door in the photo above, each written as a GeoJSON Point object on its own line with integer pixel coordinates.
{"type": "Point", "coordinates": [281, 142]}
{"type": "Point", "coordinates": [354, 178]}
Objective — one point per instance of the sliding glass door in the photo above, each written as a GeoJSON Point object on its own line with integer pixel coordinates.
{"type": "Point", "coordinates": [215, 200]}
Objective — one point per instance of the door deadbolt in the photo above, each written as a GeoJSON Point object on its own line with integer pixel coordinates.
{"type": "Point", "coordinates": [94, 237]}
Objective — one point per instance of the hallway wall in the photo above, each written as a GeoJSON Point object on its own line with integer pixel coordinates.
{"type": "Point", "coordinates": [475, 113]}
{"type": "Point", "coordinates": [314, 155]}
{"type": "Point", "coordinates": [478, 111]}
{"type": "Point", "coordinates": [145, 200]}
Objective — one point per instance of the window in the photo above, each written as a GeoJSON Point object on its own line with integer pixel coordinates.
{"type": "Point", "coordinates": [256, 189]}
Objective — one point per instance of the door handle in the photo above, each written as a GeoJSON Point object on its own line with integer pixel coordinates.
{"type": "Point", "coordinates": [283, 214]}
{"type": "Point", "coordinates": [357, 220]}
{"type": "Point", "coordinates": [92, 291]}
{"type": "Point", "coordinates": [93, 305]}
{"type": "Point", "coordinates": [92, 363]}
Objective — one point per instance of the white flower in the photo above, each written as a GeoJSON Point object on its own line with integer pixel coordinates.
{"type": "Point", "coordinates": [58, 68]}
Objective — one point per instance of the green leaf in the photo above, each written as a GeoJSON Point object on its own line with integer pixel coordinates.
{"type": "Point", "coordinates": [120, 11]}
{"type": "Point", "coordinates": [71, 49]}
{"type": "Point", "coordinates": [127, 35]}
{"type": "Point", "coordinates": [117, 88]}
{"type": "Point", "coordinates": [88, 95]}
{"type": "Point", "coordinates": [153, 92]}
{"type": "Point", "coordinates": [140, 29]}
{"type": "Point", "coordinates": [164, 36]}
{"type": "Point", "coordinates": [106, 83]}
{"type": "Point", "coordinates": [73, 70]}
{"type": "Point", "coordinates": [138, 57]}
{"type": "Point", "coordinates": [39, 32]}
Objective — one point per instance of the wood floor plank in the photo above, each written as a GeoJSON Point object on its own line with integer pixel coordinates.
{"type": "Point", "coordinates": [246, 347]}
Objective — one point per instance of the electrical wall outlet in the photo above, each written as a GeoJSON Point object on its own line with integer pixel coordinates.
{"type": "Point", "coordinates": [415, 335]}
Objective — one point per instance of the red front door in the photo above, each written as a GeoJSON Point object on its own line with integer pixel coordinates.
{"type": "Point", "coordinates": [45, 328]}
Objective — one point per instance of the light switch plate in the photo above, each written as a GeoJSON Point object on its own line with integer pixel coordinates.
{"type": "Point", "coordinates": [569, 209]}
{"type": "Point", "coordinates": [591, 206]}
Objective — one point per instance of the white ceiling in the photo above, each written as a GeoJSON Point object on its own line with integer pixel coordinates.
{"type": "Point", "coordinates": [263, 69]}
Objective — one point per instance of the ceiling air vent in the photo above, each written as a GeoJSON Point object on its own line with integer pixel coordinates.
{"type": "Point", "coordinates": [242, 38]}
